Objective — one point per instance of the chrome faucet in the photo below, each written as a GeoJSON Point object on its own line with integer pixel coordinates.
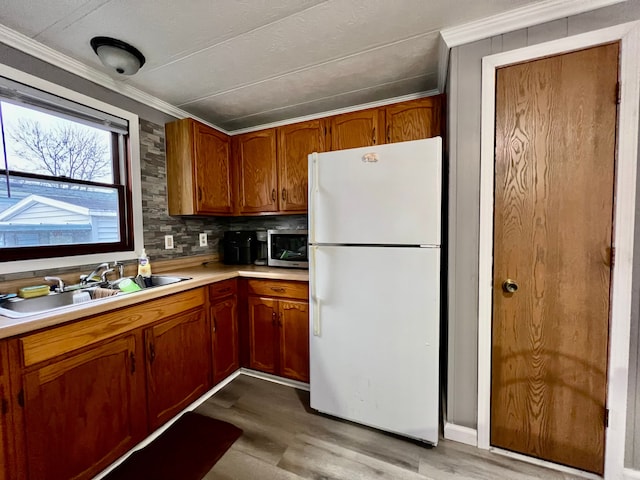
{"type": "Point", "coordinates": [60, 287]}
{"type": "Point", "coordinates": [98, 275]}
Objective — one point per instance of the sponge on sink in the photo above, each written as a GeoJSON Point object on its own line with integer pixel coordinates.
{"type": "Point", "coordinates": [34, 291]}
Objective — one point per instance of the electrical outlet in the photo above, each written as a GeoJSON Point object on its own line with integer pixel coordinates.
{"type": "Point", "coordinates": [203, 239]}
{"type": "Point", "coordinates": [168, 242]}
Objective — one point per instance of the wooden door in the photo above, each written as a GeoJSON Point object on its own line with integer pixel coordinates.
{"type": "Point", "coordinates": [224, 323]}
{"type": "Point", "coordinates": [263, 329]}
{"type": "Point", "coordinates": [178, 364]}
{"type": "Point", "coordinates": [414, 119]}
{"type": "Point", "coordinates": [213, 170]}
{"type": "Point", "coordinates": [294, 339]}
{"type": "Point", "coordinates": [295, 143]}
{"type": "Point", "coordinates": [554, 171]}
{"type": "Point", "coordinates": [357, 129]}
{"type": "Point", "coordinates": [67, 403]}
{"type": "Point", "coordinates": [256, 164]}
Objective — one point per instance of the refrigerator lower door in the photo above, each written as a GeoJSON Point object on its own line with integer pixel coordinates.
{"type": "Point", "coordinates": [374, 337]}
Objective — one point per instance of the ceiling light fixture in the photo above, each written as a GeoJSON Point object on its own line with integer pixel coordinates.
{"type": "Point", "coordinates": [122, 57]}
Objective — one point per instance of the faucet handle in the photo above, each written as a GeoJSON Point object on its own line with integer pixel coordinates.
{"type": "Point", "coordinates": [60, 287]}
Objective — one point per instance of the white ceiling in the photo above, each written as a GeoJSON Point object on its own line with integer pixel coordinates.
{"type": "Point", "coordinates": [240, 63]}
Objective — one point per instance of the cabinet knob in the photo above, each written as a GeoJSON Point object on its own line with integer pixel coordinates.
{"type": "Point", "coordinates": [152, 352]}
{"type": "Point", "coordinates": [273, 195]}
{"type": "Point", "coordinates": [373, 136]}
{"type": "Point", "coordinates": [388, 133]}
{"type": "Point", "coordinates": [284, 194]}
{"type": "Point", "coordinates": [215, 324]}
{"type": "Point", "coordinates": [273, 318]}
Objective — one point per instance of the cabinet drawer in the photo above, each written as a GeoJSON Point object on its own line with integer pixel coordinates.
{"type": "Point", "coordinates": [223, 289]}
{"type": "Point", "coordinates": [279, 288]}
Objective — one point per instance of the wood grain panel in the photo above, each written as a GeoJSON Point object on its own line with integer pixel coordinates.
{"type": "Point", "coordinates": [295, 143]}
{"type": "Point", "coordinates": [77, 443]}
{"type": "Point", "coordinates": [278, 288]}
{"type": "Point", "coordinates": [294, 339]}
{"type": "Point", "coordinates": [256, 164]}
{"type": "Point", "coordinates": [5, 473]}
{"type": "Point", "coordinates": [263, 313]}
{"type": "Point", "coordinates": [178, 361]}
{"type": "Point", "coordinates": [415, 119]}
{"type": "Point", "coordinates": [212, 171]}
{"type": "Point", "coordinates": [555, 163]}
{"type": "Point", "coordinates": [357, 129]}
{"type": "Point", "coordinates": [224, 324]}
{"type": "Point", "coordinates": [51, 343]}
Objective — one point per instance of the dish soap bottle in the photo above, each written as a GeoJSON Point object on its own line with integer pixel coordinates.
{"type": "Point", "coordinates": [144, 268]}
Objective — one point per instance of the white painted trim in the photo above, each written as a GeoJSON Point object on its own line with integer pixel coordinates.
{"type": "Point", "coordinates": [458, 433]}
{"type": "Point", "coordinates": [136, 183]}
{"type": "Point", "coordinates": [164, 427]}
{"type": "Point", "coordinates": [630, 474]}
{"type": "Point", "coordinates": [627, 141]}
{"type": "Point", "coordinates": [275, 379]}
{"type": "Point", "coordinates": [353, 108]}
{"type": "Point", "coordinates": [527, 16]}
{"type": "Point", "coordinates": [544, 463]}
{"type": "Point", "coordinates": [39, 50]}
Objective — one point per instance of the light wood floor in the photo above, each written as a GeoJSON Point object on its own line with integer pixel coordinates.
{"type": "Point", "coordinates": [284, 439]}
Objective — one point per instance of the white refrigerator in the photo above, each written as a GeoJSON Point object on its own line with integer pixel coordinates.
{"type": "Point", "coordinates": [374, 239]}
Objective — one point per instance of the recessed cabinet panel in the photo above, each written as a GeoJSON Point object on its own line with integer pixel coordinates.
{"type": "Point", "coordinates": [414, 120]}
{"type": "Point", "coordinates": [76, 427]}
{"type": "Point", "coordinates": [294, 339]}
{"type": "Point", "coordinates": [263, 314]}
{"type": "Point", "coordinates": [178, 364]}
{"type": "Point", "coordinates": [255, 157]}
{"type": "Point", "coordinates": [213, 174]}
{"type": "Point", "coordinates": [224, 325]}
{"type": "Point", "coordinates": [357, 129]}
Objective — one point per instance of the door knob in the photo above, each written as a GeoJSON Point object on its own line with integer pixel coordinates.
{"type": "Point", "coordinates": [510, 286]}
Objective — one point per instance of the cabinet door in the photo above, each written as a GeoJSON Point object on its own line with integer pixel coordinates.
{"type": "Point", "coordinates": [178, 364]}
{"type": "Point", "coordinates": [295, 143]}
{"type": "Point", "coordinates": [213, 171]}
{"type": "Point", "coordinates": [414, 120]}
{"type": "Point", "coordinates": [294, 339]}
{"type": "Point", "coordinates": [263, 328]}
{"type": "Point", "coordinates": [357, 129]}
{"type": "Point", "coordinates": [4, 411]}
{"type": "Point", "coordinates": [224, 324]}
{"type": "Point", "coordinates": [84, 411]}
{"type": "Point", "coordinates": [255, 157]}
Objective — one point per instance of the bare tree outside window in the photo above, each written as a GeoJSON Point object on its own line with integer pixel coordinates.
{"type": "Point", "coordinates": [61, 150]}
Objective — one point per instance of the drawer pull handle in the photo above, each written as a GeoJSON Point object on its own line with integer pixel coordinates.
{"type": "Point", "coordinates": [278, 289]}
{"type": "Point", "coordinates": [152, 352]}
{"type": "Point", "coordinates": [215, 324]}
{"type": "Point", "coordinates": [222, 290]}
{"type": "Point", "coordinates": [273, 195]}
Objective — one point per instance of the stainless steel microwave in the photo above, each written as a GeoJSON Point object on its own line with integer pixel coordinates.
{"type": "Point", "coordinates": [287, 248]}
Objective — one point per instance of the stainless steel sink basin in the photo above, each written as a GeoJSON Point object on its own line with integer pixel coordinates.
{"type": "Point", "coordinates": [22, 307]}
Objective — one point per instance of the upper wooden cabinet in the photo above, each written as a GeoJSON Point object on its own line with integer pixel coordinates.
{"type": "Point", "coordinates": [356, 129]}
{"type": "Point", "coordinates": [272, 167]}
{"type": "Point", "coordinates": [256, 163]}
{"type": "Point", "coordinates": [414, 119]}
{"type": "Point", "coordinates": [295, 143]}
{"type": "Point", "coordinates": [199, 177]}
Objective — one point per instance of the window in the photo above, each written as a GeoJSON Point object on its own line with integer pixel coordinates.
{"type": "Point", "coordinates": [65, 176]}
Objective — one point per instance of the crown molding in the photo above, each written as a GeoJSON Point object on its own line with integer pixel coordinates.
{"type": "Point", "coordinates": [534, 14]}
{"type": "Point", "coordinates": [443, 64]}
{"type": "Point", "coordinates": [47, 54]}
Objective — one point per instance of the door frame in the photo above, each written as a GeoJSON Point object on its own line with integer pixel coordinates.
{"type": "Point", "coordinates": [623, 228]}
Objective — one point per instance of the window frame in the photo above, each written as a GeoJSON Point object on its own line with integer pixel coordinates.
{"type": "Point", "coordinates": [94, 253]}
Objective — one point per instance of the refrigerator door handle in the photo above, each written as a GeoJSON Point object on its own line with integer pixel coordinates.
{"type": "Point", "coordinates": [314, 296]}
{"type": "Point", "coordinates": [313, 191]}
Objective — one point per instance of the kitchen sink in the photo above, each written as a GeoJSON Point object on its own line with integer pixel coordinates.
{"type": "Point", "coordinates": [23, 307]}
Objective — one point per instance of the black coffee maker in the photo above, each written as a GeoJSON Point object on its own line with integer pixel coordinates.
{"type": "Point", "coordinates": [239, 247]}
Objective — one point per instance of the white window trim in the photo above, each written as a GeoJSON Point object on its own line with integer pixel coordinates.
{"type": "Point", "coordinates": [624, 218]}
{"type": "Point", "coordinates": [136, 185]}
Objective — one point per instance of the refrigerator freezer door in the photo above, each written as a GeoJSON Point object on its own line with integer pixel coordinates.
{"type": "Point", "coordinates": [374, 347]}
{"type": "Point", "coordinates": [385, 194]}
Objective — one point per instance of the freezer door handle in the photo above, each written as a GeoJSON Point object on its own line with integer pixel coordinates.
{"type": "Point", "coordinates": [314, 296]}
{"type": "Point", "coordinates": [313, 191]}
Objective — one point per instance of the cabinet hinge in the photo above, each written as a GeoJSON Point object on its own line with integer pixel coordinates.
{"type": "Point", "coordinates": [613, 256]}
{"type": "Point", "coordinates": [21, 398]}
{"type": "Point", "coordinates": [618, 93]}
{"type": "Point", "coordinates": [606, 418]}
{"type": "Point", "coordinates": [132, 362]}
{"type": "Point", "coordinates": [5, 406]}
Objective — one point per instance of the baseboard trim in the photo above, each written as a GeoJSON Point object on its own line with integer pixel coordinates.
{"type": "Point", "coordinates": [458, 433]}
{"type": "Point", "coordinates": [275, 379]}
{"type": "Point", "coordinates": [630, 474]}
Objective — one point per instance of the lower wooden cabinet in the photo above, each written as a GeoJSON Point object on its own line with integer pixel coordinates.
{"type": "Point", "coordinates": [279, 328]}
{"type": "Point", "coordinates": [82, 412]}
{"type": "Point", "coordinates": [224, 328]}
{"type": "Point", "coordinates": [178, 364]}
{"type": "Point", "coordinates": [4, 412]}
